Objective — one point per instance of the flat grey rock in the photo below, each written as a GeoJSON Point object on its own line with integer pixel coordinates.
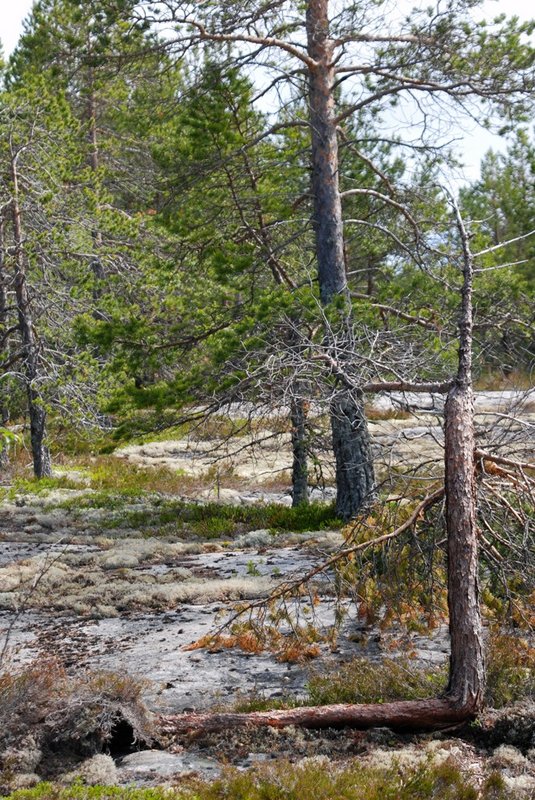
{"type": "Point", "coordinates": [151, 764]}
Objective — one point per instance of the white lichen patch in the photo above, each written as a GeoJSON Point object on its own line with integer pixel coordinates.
{"type": "Point", "coordinates": [99, 769]}
{"type": "Point", "coordinates": [128, 574]}
{"type": "Point", "coordinates": [435, 752]}
{"type": "Point", "coordinates": [520, 785]}
{"type": "Point", "coordinates": [24, 780]}
{"type": "Point", "coordinates": [508, 757]}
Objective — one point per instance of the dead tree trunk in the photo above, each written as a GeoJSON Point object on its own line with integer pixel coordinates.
{"type": "Point", "coordinates": [4, 409]}
{"type": "Point", "coordinates": [351, 443]}
{"type": "Point", "coordinates": [36, 409]}
{"type": "Point", "coordinates": [405, 716]}
{"type": "Point", "coordinates": [299, 450]}
{"type": "Point", "coordinates": [467, 669]}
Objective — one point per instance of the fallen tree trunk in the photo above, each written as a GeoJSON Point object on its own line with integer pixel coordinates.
{"type": "Point", "coordinates": [404, 715]}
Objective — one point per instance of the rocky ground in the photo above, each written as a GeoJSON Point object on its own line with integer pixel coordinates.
{"type": "Point", "coordinates": [114, 584]}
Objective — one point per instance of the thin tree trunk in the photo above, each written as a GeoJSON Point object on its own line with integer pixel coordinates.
{"type": "Point", "coordinates": [97, 268]}
{"type": "Point", "coordinates": [355, 478]}
{"type": "Point", "coordinates": [467, 668]}
{"type": "Point", "coordinates": [299, 450]}
{"type": "Point", "coordinates": [281, 278]}
{"type": "Point", "coordinates": [36, 410]}
{"type": "Point", "coordinates": [4, 409]}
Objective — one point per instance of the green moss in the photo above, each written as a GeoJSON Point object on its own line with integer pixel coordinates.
{"type": "Point", "coordinates": [49, 791]}
{"type": "Point", "coordinates": [42, 485]}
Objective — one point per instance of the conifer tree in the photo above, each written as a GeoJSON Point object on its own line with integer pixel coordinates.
{"type": "Point", "coordinates": [341, 64]}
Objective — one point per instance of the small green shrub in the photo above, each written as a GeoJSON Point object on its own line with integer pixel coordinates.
{"type": "Point", "coordinates": [256, 701]}
{"type": "Point", "coordinates": [358, 681]}
{"type": "Point", "coordinates": [363, 681]}
{"type": "Point", "coordinates": [42, 485]}
{"type": "Point", "coordinates": [510, 670]}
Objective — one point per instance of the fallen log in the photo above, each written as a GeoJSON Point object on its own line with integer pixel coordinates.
{"type": "Point", "coordinates": [405, 715]}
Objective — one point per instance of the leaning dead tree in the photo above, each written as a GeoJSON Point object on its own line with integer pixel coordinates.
{"type": "Point", "coordinates": [464, 695]}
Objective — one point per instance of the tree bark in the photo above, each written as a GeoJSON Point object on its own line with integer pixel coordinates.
{"type": "Point", "coordinates": [355, 478]}
{"type": "Point", "coordinates": [36, 410]}
{"type": "Point", "coordinates": [99, 275]}
{"type": "Point", "coordinates": [467, 668]}
{"type": "Point", "coordinates": [404, 715]}
{"type": "Point", "coordinates": [328, 223]}
{"type": "Point", "coordinates": [299, 450]}
{"type": "Point", "coordinates": [355, 482]}
{"type": "Point", "coordinates": [467, 672]}
{"type": "Point", "coordinates": [4, 409]}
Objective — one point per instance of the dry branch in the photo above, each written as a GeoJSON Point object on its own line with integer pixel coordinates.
{"type": "Point", "coordinates": [509, 462]}
{"type": "Point", "coordinates": [290, 587]}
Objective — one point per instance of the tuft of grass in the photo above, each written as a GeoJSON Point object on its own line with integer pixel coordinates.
{"type": "Point", "coordinates": [118, 475]}
{"type": "Point", "coordinates": [363, 681]}
{"type": "Point", "coordinates": [380, 414]}
{"type": "Point", "coordinates": [310, 779]}
{"type": "Point", "coordinates": [358, 681]}
{"type": "Point", "coordinates": [257, 701]}
{"type": "Point", "coordinates": [510, 669]}
{"type": "Point", "coordinates": [496, 380]}
{"type": "Point", "coordinates": [209, 520]}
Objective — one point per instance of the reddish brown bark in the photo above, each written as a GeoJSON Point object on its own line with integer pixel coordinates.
{"type": "Point", "coordinates": [467, 668]}
{"type": "Point", "coordinates": [403, 715]}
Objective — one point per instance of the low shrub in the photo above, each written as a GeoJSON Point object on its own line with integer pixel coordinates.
{"type": "Point", "coordinates": [311, 779]}
{"type": "Point", "coordinates": [76, 714]}
{"type": "Point", "coordinates": [365, 681]}
{"type": "Point", "coordinates": [510, 669]}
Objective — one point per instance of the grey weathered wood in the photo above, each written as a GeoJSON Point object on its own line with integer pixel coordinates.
{"type": "Point", "coordinates": [36, 409]}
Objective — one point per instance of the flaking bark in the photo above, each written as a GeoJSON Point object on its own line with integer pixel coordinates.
{"type": "Point", "coordinates": [299, 451]}
{"type": "Point", "coordinates": [355, 478]}
{"type": "Point", "coordinates": [467, 669]}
